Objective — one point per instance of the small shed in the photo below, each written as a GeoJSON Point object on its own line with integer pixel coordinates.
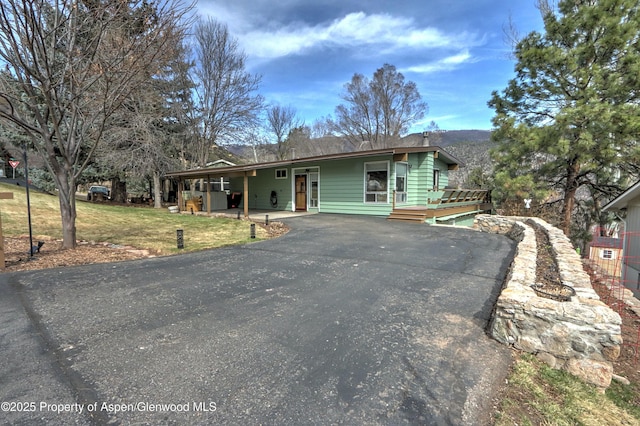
{"type": "Point", "coordinates": [606, 254]}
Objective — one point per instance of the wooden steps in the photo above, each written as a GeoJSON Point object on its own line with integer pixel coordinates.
{"type": "Point", "coordinates": [414, 214]}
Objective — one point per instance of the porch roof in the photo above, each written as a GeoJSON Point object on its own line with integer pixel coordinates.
{"type": "Point", "coordinates": [250, 169]}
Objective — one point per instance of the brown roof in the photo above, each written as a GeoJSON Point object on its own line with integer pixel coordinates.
{"type": "Point", "coordinates": [243, 169]}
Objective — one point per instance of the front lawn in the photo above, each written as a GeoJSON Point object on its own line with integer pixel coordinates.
{"type": "Point", "coordinates": [140, 227]}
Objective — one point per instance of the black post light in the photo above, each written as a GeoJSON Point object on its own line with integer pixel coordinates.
{"type": "Point", "coordinates": [180, 238]}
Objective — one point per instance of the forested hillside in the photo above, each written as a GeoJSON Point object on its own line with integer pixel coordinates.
{"type": "Point", "coordinates": [474, 155]}
{"type": "Point", "coordinates": [471, 147]}
{"type": "Point", "coordinates": [454, 137]}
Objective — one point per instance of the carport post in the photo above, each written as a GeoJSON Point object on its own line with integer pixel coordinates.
{"type": "Point", "coordinates": [180, 189]}
{"type": "Point", "coordinates": [246, 195]}
{"type": "Point", "coordinates": [208, 195]}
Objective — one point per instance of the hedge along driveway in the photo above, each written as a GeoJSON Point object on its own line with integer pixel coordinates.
{"type": "Point", "coordinates": [344, 319]}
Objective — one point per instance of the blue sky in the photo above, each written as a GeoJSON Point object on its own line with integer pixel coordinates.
{"type": "Point", "coordinates": [306, 50]}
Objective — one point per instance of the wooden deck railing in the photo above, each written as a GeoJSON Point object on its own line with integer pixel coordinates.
{"type": "Point", "coordinates": [463, 195]}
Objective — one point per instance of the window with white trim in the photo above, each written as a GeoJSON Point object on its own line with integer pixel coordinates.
{"type": "Point", "coordinates": [376, 182]}
{"type": "Point", "coordinates": [607, 254]}
{"type": "Point", "coordinates": [436, 179]}
{"type": "Point", "coordinates": [281, 173]}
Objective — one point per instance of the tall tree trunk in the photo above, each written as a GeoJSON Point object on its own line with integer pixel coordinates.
{"type": "Point", "coordinates": [68, 215]}
{"type": "Point", "coordinates": [118, 190]}
{"type": "Point", "coordinates": [569, 196]}
{"type": "Point", "coordinates": [67, 198]}
{"type": "Point", "coordinates": [157, 190]}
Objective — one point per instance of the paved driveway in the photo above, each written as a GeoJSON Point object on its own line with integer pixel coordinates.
{"type": "Point", "coordinates": [344, 320]}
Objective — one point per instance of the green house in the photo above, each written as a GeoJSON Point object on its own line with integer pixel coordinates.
{"type": "Point", "coordinates": [403, 183]}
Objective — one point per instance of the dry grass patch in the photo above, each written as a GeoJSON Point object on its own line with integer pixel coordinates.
{"type": "Point", "coordinates": [539, 395]}
{"type": "Point", "coordinates": [140, 227]}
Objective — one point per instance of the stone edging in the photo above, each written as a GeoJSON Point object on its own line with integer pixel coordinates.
{"type": "Point", "coordinates": [581, 336]}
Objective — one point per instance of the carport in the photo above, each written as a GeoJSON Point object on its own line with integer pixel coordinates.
{"type": "Point", "coordinates": [207, 175]}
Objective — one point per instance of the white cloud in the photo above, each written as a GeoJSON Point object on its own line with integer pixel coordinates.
{"type": "Point", "coordinates": [352, 30]}
{"type": "Point", "coordinates": [445, 64]}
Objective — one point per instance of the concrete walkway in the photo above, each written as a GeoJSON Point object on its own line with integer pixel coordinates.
{"type": "Point", "coordinates": [345, 320]}
{"type": "Point", "coordinates": [255, 215]}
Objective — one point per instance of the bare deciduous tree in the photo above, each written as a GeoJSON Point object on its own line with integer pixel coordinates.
{"type": "Point", "coordinates": [378, 111]}
{"type": "Point", "coordinates": [226, 104]}
{"type": "Point", "coordinates": [281, 121]}
{"type": "Point", "coordinates": [69, 65]}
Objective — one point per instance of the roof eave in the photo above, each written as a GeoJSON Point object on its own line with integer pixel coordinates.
{"type": "Point", "coordinates": [622, 200]}
{"type": "Point", "coordinates": [243, 169]}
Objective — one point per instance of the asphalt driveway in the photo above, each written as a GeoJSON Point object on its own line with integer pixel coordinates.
{"type": "Point", "coordinates": [345, 320]}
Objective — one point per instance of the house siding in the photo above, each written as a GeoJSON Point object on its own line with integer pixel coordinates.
{"type": "Point", "coordinates": [466, 221]}
{"type": "Point", "coordinates": [342, 187]}
{"type": "Point", "coordinates": [632, 249]}
{"type": "Point", "coordinates": [260, 187]}
{"type": "Point", "coordinates": [420, 177]}
{"type": "Point", "coordinates": [632, 255]}
{"type": "Point", "coordinates": [342, 184]}
{"type": "Point", "coordinates": [444, 173]}
{"type": "Point", "coordinates": [630, 200]}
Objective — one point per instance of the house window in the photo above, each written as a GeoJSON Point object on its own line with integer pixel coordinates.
{"type": "Point", "coordinates": [436, 179]}
{"type": "Point", "coordinates": [376, 176]}
{"type": "Point", "coordinates": [607, 254]}
{"type": "Point", "coordinates": [219, 185]}
{"type": "Point", "coordinates": [281, 173]}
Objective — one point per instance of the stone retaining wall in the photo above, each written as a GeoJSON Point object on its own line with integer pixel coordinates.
{"type": "Point", "coordinates": [581, 336]}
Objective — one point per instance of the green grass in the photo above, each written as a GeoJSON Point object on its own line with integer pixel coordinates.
{"type": "Point", "coordinates": [626, 397]}
{"type": "Point", "coordinates": [540, 395]}
{"type": "Point", "coordinates": [141, 227]}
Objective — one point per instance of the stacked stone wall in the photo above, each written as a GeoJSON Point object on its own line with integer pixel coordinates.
{"type": "Point", "coordinates": [581, 336]}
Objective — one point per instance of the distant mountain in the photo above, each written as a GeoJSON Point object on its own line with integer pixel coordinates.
{"type": "Point", "coordinates": [448, 137]}
{"type": "Point", "coordinates": [456, 136]}
{"type": "Point", "coordinates": [471, 147]}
